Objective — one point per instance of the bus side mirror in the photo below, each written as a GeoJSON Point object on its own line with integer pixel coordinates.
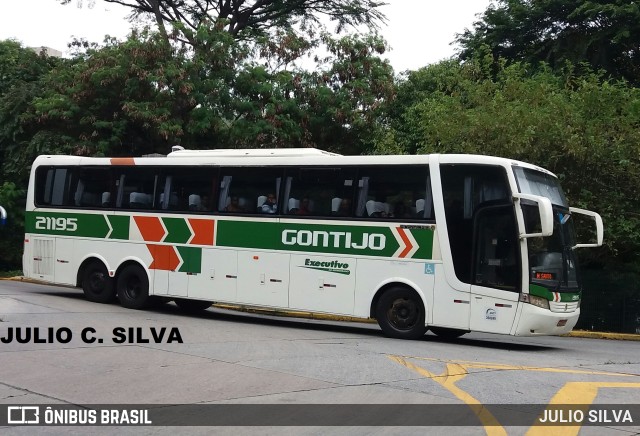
{"type": "Point", "coordinates": [599, 226]}
{"type": "Point", "coordinates": [546, 215]}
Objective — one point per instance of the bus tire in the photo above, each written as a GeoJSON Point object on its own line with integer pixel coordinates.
{"type": "Point", "coordinates": [447, 333]}
{"type": "Point", "coordinates": [133, 287]}
{"type": "Point", "coordinates": [192, 306]}
{"type": "Point", "coordinates": [400, 314]}
{"type": "Point", "coordinates": [96, 283]}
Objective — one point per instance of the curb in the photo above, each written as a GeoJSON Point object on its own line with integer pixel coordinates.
{"type": "Point", "coordinates": [293, 314]}
{"type": "Point", "coordinates": [325, 317]}
{"type": "Point", "coordinates": [23, 279]}
{"type": "Point", "coordinates": [604, 335]}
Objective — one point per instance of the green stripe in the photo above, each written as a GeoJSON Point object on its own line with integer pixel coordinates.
{"type": "Point", "coordinates": [565, 297]}
{"type": "Point", "coordinates": [178, 231]}
{"type": "Point", "coordinates": [67, 224]}
{"type": "Point", "coordinates": [378, 241]}
{"type": "Point", "coordinates": [120, 224]}
{"type": "Point", "coordinates": [316, 238]}
{"type": "Point", "coordinates": [424, 238]}
{"type": "Point", "coordinates": [192, 257]}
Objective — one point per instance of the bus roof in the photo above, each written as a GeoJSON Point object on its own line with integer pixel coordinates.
{"type": "Point", "coordinates": [279, 157]}
{"type": "Point", "coordinates": [252, 152]}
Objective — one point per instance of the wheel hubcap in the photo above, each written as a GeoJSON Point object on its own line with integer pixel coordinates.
{"type": "Point", "coordinates": [403, 314]}
{"type": "Point", "coordinates": [133, 288]}
{"type": "Point", "coordinates": [97, 282]}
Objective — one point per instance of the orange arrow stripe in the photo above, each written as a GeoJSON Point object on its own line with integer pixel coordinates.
{"type": "Point", "coordinates": [406, 241]}
{"type": "Point", "coordinates": [150, 228]}
{"type": "Point", "coordinates": [164, 257]}
{"type": "Point", "coordinates": [203, 231]}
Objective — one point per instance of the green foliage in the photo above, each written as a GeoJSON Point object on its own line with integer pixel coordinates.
{"type": "Point", "coordinates": [582, 127]}
{"type": "Point", "coordinates": [604, 34]}
{"type": "Point", "coordinates": [11, 235]}
{"type": "Point", "coordinates": [142, 96]}
{"type": "Point", "coordinates": [21, 74]}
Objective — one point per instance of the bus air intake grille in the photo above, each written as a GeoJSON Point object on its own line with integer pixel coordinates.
{"type": "Point", "coordinates": [563, 307]}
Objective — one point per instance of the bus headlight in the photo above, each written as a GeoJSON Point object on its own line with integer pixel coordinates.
{"type": "Point", "coordinates": [535, 300]}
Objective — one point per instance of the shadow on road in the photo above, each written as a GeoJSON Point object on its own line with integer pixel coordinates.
{"type": "Point", "coordinates": [500, 342]}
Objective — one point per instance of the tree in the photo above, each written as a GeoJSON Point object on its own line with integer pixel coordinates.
{"type": "Point", "coordinates": [21, 73]}
{"type": "Point", "coordinates": [250, 18]}
{"type": "Point", "coordinates": [582, 127]}
{"type": "Point", "coordinates": [604, 34]}
{"type": "Point", "coordinates": [142, 96]}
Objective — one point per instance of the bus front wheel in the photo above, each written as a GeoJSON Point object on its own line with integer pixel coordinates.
{"type": "Point", "coordinates": [96, 283]}
{"type": "Point", "coordinates": [133, 287]}
{"type": "Point", "coordinates": [400, 314]}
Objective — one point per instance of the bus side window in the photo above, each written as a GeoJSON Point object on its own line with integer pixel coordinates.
{"type": "Point", "coordinates": [189, 189]}
{"type": "Point", "coordinates": [319, 191]}
{"type": "Point", "coordinates": [93, 188]}
{"type": "Point", "coordinates": [248, 190]}
{"type": "Point", "coordinates": [385, 193]}
{"type": "Point", "coordinates": [137, 188]}
{"type": "Point", "coordinates": [54, 186]}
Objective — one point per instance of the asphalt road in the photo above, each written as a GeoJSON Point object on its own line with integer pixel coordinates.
{"type": "Point", "coordinates": [228, 357]}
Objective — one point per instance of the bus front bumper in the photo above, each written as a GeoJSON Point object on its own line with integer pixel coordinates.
{"type": "Point", "coordinates": [535, 321]}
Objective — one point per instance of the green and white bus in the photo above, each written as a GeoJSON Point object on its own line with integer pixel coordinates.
{"type": "Point", "coordinates": [451, 243]}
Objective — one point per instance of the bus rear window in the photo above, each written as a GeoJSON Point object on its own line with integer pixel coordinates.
{"type": "Point", "coordinates": [52, 186]}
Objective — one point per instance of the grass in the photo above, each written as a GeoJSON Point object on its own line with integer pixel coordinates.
{"type": "Point", "coordinates": [10, 273]}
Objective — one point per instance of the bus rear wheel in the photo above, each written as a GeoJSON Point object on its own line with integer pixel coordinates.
{"type": "Point", "coordinates": [192, 306]}
{"type": "Point", "coordinates": [400, 314]}
{"type": "Point", "coordinates": [96, 283]}
{"type": "Point", "coordinates": [133, 287]}
{"type": "Point", "coordinates": [447, 333]}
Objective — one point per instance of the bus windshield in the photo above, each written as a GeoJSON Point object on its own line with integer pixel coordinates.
{"type": "Point", "coordinates": [542, 184]}
{"type": "Point", "coordinates": [552, 261]}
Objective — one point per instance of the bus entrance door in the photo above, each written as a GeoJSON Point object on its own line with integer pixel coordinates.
{"type": "Point", "coordinates": [495, 269]}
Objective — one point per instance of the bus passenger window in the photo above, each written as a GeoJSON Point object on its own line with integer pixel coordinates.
{"type": "Point", "coordinates": [248, 190]}
{"type": "Point", "coordinates": [390, 192]}
{"type": "Point", "coordinates": [188, 189]}
{"type": "Point", "coordinates": [53, 187]}
{"type": "Point", "coordinates": [319, 191]}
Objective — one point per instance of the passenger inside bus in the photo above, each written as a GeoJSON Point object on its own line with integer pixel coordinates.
{"type": "Point", "coordinates": [269, 206]}
{"type": "Point", "coordinates": [305, 208]}
{"type": "Point", "coordinates": [344, 209]}
{"type": "Point", "coordinates": [234, 205]}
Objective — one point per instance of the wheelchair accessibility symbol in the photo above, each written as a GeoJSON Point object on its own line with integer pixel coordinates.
{"type": "Point", "coordinates": [429, 268]}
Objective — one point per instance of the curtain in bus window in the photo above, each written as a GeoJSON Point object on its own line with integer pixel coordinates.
{"type": "Point", "coordinates": [54, 187]}
{"type": "Point", "coordinates": [363, 194]}
{"type": "Point", "coordinates": [60, 184]}
{"type": "Point", "coordinates": [223, 199]}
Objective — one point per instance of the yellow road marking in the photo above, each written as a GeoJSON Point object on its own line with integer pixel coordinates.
{"type": "Point", "coordinates": [452, 374]}
{"type": "Point", "coordinates": [579, 393]}
{"type": "Point", "coordinates": [500, 366]}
